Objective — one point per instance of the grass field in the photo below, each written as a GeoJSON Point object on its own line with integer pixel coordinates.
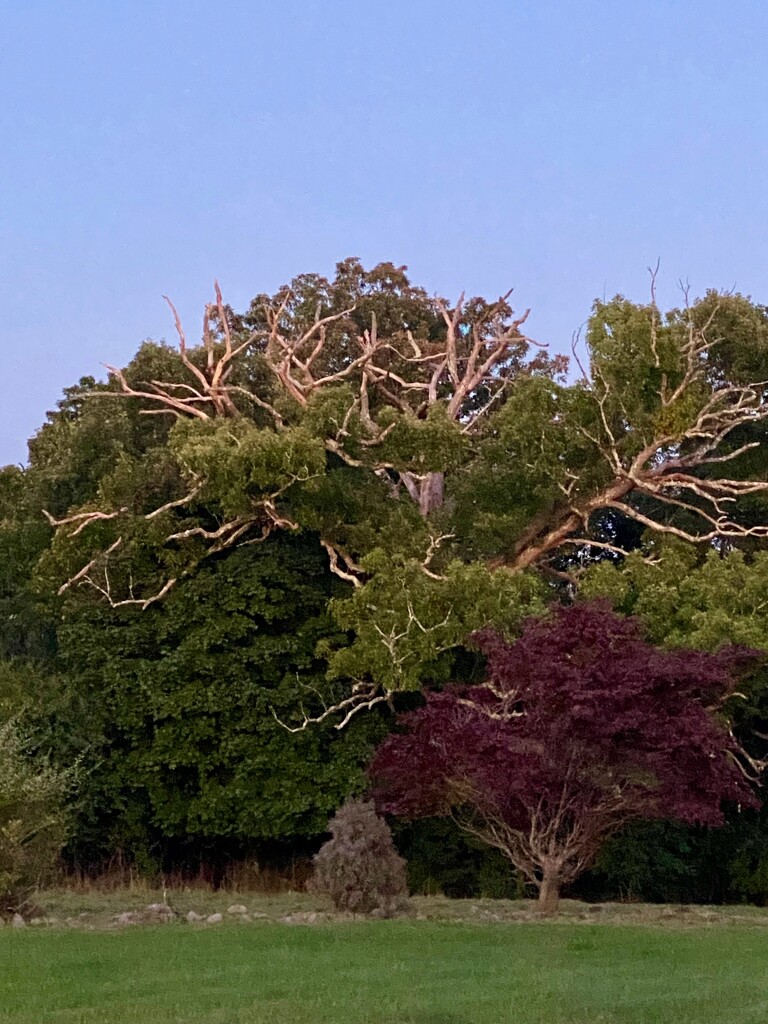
{"type": "Point", "coordinates": [390, 972]}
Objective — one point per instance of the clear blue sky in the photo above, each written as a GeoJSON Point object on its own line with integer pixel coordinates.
{"type": "Point", "coordinates": [556, 146]}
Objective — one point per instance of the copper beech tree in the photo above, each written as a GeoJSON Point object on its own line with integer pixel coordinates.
{"type": "Point", "coordinates": [580, 727]}
{"type": "Point", "coordinates": [437, 453]}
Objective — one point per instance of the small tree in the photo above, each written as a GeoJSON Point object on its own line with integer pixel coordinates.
{"type": "Point", "coordinates": [32, 820]}
{"type": "Point", "coordinates": [580, 727]}
{"type": "Point", "coordinates": [359, 867]}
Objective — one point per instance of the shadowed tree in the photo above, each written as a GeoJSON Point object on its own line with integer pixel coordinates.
{"type": "Point", "coordinates": [580, 727]}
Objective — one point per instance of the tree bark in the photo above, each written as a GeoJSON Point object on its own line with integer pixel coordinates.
{"type": "Point", "coordinates": [431, 496]}
{"type": "Point", "coordinates": [549, 893]}
{"type": "Point", "coordinates": [531, 546]}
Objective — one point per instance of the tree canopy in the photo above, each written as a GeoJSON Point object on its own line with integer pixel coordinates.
{"type": "Point", "coordinates": [580, 727]}
{"type": "Point", "coordinates": [306, 514]}
{"type": "Point", "coordinates": [438, 455]}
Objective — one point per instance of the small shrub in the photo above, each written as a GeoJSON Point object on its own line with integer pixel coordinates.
{"type": "Point", "coordinates": [32, 820]}
{"type": "Point", "coordinates": [359, 867]}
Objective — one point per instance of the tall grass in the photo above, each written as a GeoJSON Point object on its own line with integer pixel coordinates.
{"type": "Point", "coordinates": [246, 875]}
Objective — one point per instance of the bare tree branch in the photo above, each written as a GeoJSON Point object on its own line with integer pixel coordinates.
{"type": "Point", "coordinates": [352, 574]}
{"type": "Point", "coordinates": [364, 697]}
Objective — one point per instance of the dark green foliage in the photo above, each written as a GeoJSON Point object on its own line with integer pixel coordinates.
{"type": "Point", "coordinates": [359, 867]}
{"type": "Point", "coordinates": [648, 862]}
{"type": "Point", "coordinates": [184, 742]}
{"type": "Point", "coordinates": [441, 859]}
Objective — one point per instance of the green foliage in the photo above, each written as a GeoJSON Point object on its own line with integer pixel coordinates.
{"type": "Point", "coordinates": [33, 819]}
{"type": "Point", "coordinates": [684, 598]}
{"type": "Point", "coordinates": [739, 327]}
{"type": "Point", "coordinates": [443, 860]}
{"type": "Point", "coordinates": [185, 744]}
{"type": "Point", "coordinates": [516, 483]}
{"type": "Point", "coordinates": [406, 625]}
{"type": "Point", "coordinates": [240, 461]}
{"type": "Point", "coordinates": [650, 861]}
{"type": "Point", "coordinates": [171, 708]}
{"type": "Point", "coordinates": [432, 444]}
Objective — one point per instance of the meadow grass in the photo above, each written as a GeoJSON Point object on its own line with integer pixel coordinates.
{"type": "Point", "coordinates": [389, 972]}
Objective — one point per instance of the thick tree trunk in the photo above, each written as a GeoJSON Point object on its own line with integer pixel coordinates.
{"type": "Point", "coordinates": [549, 893]}
{"type": "Point", "coordinates": [431, 496]}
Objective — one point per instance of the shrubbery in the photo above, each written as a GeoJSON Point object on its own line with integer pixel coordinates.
{"type": "Point", "coordinates": [33, 820]}
{"type": "Point", "coordinates": [359, 867]}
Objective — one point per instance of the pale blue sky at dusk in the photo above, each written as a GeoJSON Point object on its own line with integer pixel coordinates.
{"type": "Point", "coordinates": [554, 146]}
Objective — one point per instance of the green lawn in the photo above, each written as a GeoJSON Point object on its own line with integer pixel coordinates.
{"type": "Point", "coordinates": [399, 972]}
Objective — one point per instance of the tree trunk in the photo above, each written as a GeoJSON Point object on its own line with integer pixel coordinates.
{"type": "Point", "coordinates": [549, 893]}
{"type": "Point", "coordinates": [431, 496]}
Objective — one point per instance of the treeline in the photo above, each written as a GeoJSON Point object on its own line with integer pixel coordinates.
{"type": "Point", "coordinates": [227, 550]}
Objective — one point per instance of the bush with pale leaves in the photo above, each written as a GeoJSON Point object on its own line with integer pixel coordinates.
{"type": "Point", "coordinates": [33, 819]}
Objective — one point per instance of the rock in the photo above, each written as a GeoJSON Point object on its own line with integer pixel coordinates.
{"type": "Point", "coordinates": [17, 921]}
{"type": "Point", "coordinates": [154, 913]}
{"type": "Point", "coordinates": [307, 917]}
{"type": "Point", "coordinates": [192, 917]}
{"type": "Point", "coordinates": [237, 908]}
{"type": "Point", "coordinates": [158, 913]}
{"type": "Point", "coordinates": [215, 918]}
{"type": "Point", "coordinates": [258, 916]}
{"type": "Point", "coordinates": [129, 917]}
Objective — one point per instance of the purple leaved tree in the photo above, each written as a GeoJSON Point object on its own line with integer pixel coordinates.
{"type": "Point", "coordinates": [579, 727]}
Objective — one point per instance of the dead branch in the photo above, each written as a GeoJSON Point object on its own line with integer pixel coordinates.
{"type": "Point", "coordinates": [177, 503]}
{"type": "Point", "coordinates": [176, 406]}
{"type": "Point", "coordinates": [435, 544]}
{"type": "Point", "coordinates": [82, 573]}
{"type": "Point", "coordinates": [364, 696]}
{"type": "Point", "coordinates": [352, 574]}
{"type": "Point", "coordinates": [106, 592]}
{"type": "Point", "coordinates": [83, 519]}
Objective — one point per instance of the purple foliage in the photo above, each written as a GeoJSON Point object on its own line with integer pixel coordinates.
{"type": "Point", "coordinates": [579, 727]}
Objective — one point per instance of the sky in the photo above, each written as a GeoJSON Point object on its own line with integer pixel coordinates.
{"type": "Point", "coordinates": [552, 146]}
